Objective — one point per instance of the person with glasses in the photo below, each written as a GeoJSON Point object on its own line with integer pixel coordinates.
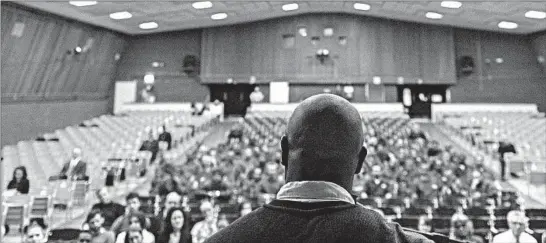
{"type": "Point", "coordinates": [462, 229]}
{"type": "Point", "coordinates": [98, 233]}
{"type": "Point", "coordinates": [517, 222]}
{"type": "Point", "coordinates": [137, 223]}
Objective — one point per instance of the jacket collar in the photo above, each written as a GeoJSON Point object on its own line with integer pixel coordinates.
{"type": "Point", "coordinates": [314, 191]}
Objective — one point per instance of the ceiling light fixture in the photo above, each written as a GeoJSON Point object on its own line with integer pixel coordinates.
{"type": "Point", "coordinates": [121, 15]}
{"type": "Point", "coordinates": [82, 3]}
{"type": "Point", "coordinates": [535, 14]}
{"type": "Point", "coordinates": [290, 7]}
{"type": "Point", "coordinates": [148, 25]}
{"type": "Point", "coordinates": [218, 16]}
{"type": "Point", "coordinates": [202, 5]}
{"type": "Point", "coordinates": [362, 6]}
{"type": "Point", "coordinates": [433, 15]}
{"type": "Point", "coordinates": [451, 4]}
{"type": "Point", "coordinates": [507, 25]}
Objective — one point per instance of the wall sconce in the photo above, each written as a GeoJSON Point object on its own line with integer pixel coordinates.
{"type": "Point", "coordinates": [322, 55]}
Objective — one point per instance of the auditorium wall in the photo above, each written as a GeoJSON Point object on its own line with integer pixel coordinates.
{"type": "Point", "coordinates": [539, 45]}
{"type": "Point", "coordinates": [36, 64]}
{"type": "Point", "coordinates": [28, 120]}
{"type": "Point", "coordinates": [518, 78]}
{"type": "Point", "coordinates": [169, 49]}
{"type": "Point", "coordinates": [374, 47]}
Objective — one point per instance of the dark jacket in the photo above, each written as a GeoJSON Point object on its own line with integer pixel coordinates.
{"type": "Point", "coordinates": [110, 211]}
{"type": "Point", "coordinates": [79, 170]}
{"type": "Point", "coordinates": [165, 137]}
{"type": "Point", "coordinates": [287, 222]}
{"type": "Point", "coordinates": [22, 187]}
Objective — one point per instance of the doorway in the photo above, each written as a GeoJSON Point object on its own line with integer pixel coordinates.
{"type": "Point", "coordinates": [236, 97]}
{"type": "Point", "coordinates": [418, 99]}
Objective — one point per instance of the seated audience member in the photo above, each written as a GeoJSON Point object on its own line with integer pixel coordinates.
{"type": "Point", "coordinates": [19, 182]}
{"type": "Point", "coordinates": [134, 235]}
{"type": "Point", "coordinates": [165, 136]}
{"type": "Point", "coordinates": [170, 183]}
{"type": "Point", "coordinates": [98, 233]}
{"type": "Point", "coordinates": [36, 233]}
{"type": "Point", "coordinates": [321, 151]}
{"type": "Point", "coordinates": [85, 236]}
{"type": "Point", "coordinates": [222, 222]}
{"type": "Point", "coordinates": [172, 200]}
{"type": "Point", "coordinates": [177, 227]}
{"type": "Point", "coordinates": [207, 227]}
{"type": "Point", "coordinates": [462, 229]}
{"type": "Point", "coordinates": [74, 169]}
{"type": "Point", "coordinates": [132, 206]}
{"type": "Point", "coordinates": [110, 210]}
{"type": "Point", "coordinates": [245, 208]}
{"type": "Point", "coordinates": [425, 224]}
{"type": "Point", "coordinates": [151, 145]}
{"type": "Point", "coordinates": [269, 183]}
{"type": "Point", "coordinates": [417, 133]}
{"type": "Point", "coordinates": [517, 222]}
{"type": "Point", "coordinates": [217, 183]}
{"type": "Point", "coordinates": [137, 222]}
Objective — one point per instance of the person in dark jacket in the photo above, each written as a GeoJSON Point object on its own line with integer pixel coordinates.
{"type": "Point", "coordinates": [151, 145]}
{"type": "Point", "coordinates": [109, 209]}
{"type": "Point", "coordinates": [322, 150]}
{"type": "Point", "coordinates": [165, 136]}
{"type": "Point", "coordinates": [19, 181]}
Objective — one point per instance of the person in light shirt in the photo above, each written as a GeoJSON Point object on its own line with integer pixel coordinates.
{"type": "Point", "coordinates": [75, 168]}
{"type": "Point", "coordinates": [517, 222]}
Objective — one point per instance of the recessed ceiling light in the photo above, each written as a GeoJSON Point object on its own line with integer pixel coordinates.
{"type": "Point", "coordinates": [362, 6]}
{"type": "Point", "coordinates": [451, 4]}
{"type": "Point", "coordinates": [433, 15]}
{"type": "Point", "coordinates": [507, 25]}
{"type": "Point", "coordinates": [218, 16]}
{"type": "Point", "coordinates": [82, 3]}
{"type": "Point", "coordinates": [535, 14]}
{"type": "Point", "coordinates": [202, 5]}
{"type": "Point", "coordinates": [290, 7]}
{"type": "Point", "coordinates": [121, 15]}
{"type": "Point", "coordinates": [148, 25]}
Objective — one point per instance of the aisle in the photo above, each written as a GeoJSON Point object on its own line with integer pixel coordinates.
{"type": "Point", "coordinates": [218, 134]}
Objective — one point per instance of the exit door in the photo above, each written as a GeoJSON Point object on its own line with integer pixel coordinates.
{"type": "Point", "coordinates": [236, 97]}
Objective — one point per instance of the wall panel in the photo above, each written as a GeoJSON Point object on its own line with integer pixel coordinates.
{"type": "Point", "coordinates": [36, 64]}
{"type": "Point", "coordinates": [375, 47]}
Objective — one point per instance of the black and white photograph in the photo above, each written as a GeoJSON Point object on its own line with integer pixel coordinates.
{"type": "Point", "coordinates": [246, 121]}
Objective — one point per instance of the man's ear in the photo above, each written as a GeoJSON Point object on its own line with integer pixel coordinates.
{"type": "Point", "coordinates": [361, 157]}
{"type": "Point", "coordinates": [284, 150]}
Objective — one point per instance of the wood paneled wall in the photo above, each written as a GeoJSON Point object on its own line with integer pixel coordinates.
{"type": "Point", "coordinates": [171, 83]}
{"type": "Point", "coordinates": [539, 45]}
{"type": "Point", "coordinates": [375, 47]}
{"type": "Point", "coordinates": [518, 79]}
{"type": "Point", "coordinates": [35, 65]}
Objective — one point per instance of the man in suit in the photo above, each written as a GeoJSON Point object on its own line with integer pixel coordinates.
{"type": "Point", "coordinates": [75, 168]}
{"type": "Point", "coordinates": [322, 151]}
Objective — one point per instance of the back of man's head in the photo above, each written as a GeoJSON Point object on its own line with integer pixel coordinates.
{"type": "Point", "coordinates": [323, 141]}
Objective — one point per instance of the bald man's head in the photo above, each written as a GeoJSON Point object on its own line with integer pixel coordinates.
{"type": "Point", "coordinates": [323, 141]}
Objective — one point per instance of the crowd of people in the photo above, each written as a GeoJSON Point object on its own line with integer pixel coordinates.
{"type": "Point", "coordinates": [402, 164]}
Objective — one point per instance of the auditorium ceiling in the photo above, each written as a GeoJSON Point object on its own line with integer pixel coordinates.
{"type": "Point", "coordinates": [179, 15]}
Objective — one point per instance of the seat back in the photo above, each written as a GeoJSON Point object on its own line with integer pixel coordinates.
{"type": "Point", "coordinates": [14, 214]}
{"type": "Point", "coordinates": [79, 191]}
{"type": "Point", "coordinates": [40, 206]}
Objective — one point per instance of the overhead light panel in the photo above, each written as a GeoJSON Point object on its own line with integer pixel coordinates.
{"type": "Point", "coordinates": [121, 15]}
{"type": "Point", "coordinates": [218, 16]}
{"type": "Point", "coordinates": [82, 3]}
{"type": "Point", "coordinates": [202, 5]}
{"type": "Point", "coordinates": [535, 14]}
{"type": "Point", "coordinates": [362, 6]}
{"type": "Point", "coordinates": [290, 7]}
{"type": "Point", "coordinates": [507, 25]}
{"type": "Point", "coordinates": [451, 4]}
{"type": "Point", "coordinates": [148, 25]}
{"type": "Point", "coordinates": [433, 15]}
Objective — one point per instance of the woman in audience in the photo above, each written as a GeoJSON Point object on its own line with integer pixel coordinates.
{"type": "Point", "coordinates": [134, 234]}
{"type": "Point", "coordinates": [19, 182]}
{"type": "Point", "coordinates": [425, 224]}
{"type": "Point", "coordinates": [98, 232]}
{"type": "Point", "coordinates": [462, 229]}
{"type": "Point", "coordinates": [177, 227]}
{"type": "Point", "coordinates": [137, 222]}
